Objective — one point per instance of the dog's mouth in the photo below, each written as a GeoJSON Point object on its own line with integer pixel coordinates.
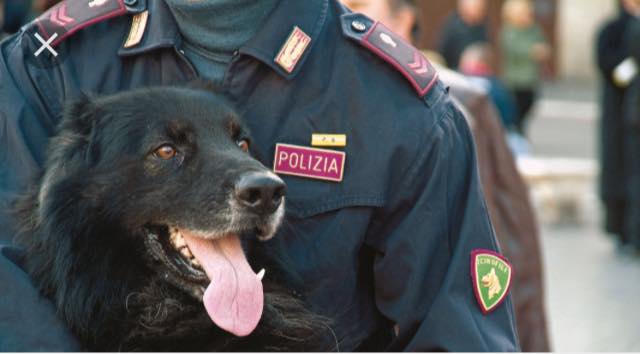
{"type": "Point", "coordinates": [213, 269]}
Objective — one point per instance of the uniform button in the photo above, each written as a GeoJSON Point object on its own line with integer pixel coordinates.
{"type": "Point", "coordinates": [181, 51]}
{"type": "Point", "coordinates": [358, 26]}
{"type": "Point", "coordinates": [130, 2]}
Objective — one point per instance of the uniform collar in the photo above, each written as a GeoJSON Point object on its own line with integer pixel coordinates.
{"type": "Point", "coordinates": [161, 31]}
{"type": "Point", "coordinates": [308, 15]}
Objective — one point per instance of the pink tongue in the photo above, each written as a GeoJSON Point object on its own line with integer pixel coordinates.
{"type": "Point", "coordinates": [234, 298]}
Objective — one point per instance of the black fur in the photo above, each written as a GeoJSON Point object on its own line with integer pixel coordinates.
{"type": "Point", "coordinates": [84, 222]}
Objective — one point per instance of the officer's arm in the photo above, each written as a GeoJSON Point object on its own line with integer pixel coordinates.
{"type": "Point", "coordinates": [27, 321]}
{"type": "Point", "coordinates": [422, 271]}
{"type": "Point", "coordinates": [610, 51]}
{"type": "Point", "coordinates": [27, 97]}
{"type": "Point", "coordinates": [633, 32]}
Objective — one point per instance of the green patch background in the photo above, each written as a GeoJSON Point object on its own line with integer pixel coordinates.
{"type": "Point", "coordinates": [502, 271]}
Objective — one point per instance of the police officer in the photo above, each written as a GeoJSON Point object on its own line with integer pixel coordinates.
{"type": "Point", "coordinates": [394, 243]}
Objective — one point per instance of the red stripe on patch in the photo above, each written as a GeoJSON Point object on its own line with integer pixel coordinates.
{"type": "Point", "coordinates": [71, 16]}
{"type": "Point", "coordinates": [401, 55]}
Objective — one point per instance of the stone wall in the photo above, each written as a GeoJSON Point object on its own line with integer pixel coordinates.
{"type": "Point", "coordinates": [578, 23]}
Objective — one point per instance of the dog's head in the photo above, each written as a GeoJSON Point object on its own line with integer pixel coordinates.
{"type": "Point", "coordinates": [492, 282]}
{"type": "Point", "coordinates": [172, 166]}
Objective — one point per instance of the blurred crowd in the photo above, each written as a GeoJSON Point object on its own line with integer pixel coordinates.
{"type": "Point", "coordinates": [618, 55]}
{"type": "Point", "coordinates": [510, 66]}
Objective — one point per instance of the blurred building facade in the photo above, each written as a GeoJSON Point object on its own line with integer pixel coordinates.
{"type": "Point", "coordinates": [570, 26]}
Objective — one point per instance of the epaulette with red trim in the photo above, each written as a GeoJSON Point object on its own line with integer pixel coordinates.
{"type": "Point", "coordinates": [70, 16]}
{"type": "Point", "coordinates": [383, 42]}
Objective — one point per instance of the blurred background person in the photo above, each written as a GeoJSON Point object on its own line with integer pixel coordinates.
{"type": "Point", "coordinates": [478, 62]}
{"type": "Point", "coordinates": [17, 13]}
{"type": "Point", "coordinates": [631, 113]}
{"type": "Point", "coordinates": [398, 15]}
{"type": "Point", "coordinates": [40, 6]}
{"type": "Point", "coordinates": [2, 19]}
{"type": "Point", "coordinates": [466, 26]}
{"type": "Point", "coordinates": [524, 51]}
{"type": "Point", "coordinates": [611, 52]}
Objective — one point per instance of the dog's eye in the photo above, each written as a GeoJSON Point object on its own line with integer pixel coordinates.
{"type": "Point", "coordinates": [165, 152]}
{"type": "Point", "coordinates": [244, 144]}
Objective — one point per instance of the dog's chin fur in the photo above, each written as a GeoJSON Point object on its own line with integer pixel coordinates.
{"type": "Point", "coordinates": [84, 255]}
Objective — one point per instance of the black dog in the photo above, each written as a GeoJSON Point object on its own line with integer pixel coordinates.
{"type": "Point", "coordinates": [139, 228]}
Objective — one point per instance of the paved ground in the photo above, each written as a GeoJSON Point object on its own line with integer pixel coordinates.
{"type": "Point", "coordinates": [593, 287]}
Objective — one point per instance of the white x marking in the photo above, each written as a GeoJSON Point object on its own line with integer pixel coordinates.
{"type": "Point", "coordinates": [46, 44]}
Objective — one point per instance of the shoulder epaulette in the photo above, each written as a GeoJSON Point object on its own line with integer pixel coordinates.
{"type": "Point", "coordinates": [70, 16]}
{"type": "Point", "coordinates": [383, 42]}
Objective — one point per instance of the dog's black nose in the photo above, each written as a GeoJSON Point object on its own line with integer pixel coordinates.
{"type": "Point", "coordinates": [261, 192]}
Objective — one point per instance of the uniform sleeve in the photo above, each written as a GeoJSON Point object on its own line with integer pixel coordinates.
{"type": "Point", "coordinates": [422, 270]}
{"type": "Point", "coordinates": [26, 121]}
{"type": "Point", "coordinates": [633, 32]}
{"type": "Point", "coordinates": [610, 50]}
{"type": "Point", "coordinates": [27, 320]}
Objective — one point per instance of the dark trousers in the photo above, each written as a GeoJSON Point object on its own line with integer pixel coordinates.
{"type": "Point", "coordinates": [524, 101]}
{"type": "Point", "coordinates": [614, 218]}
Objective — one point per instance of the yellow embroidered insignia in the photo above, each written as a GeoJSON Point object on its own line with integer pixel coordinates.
{"type": "Point", "coordinates": [138, 26]}
{"type": "Point", "coordinates": [293, 49]}
{"type": "Point", "coordinates": [334, 140]}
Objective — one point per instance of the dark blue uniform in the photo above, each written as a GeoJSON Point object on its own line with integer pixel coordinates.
{"type": "Point", "coordinates": [388, 245]}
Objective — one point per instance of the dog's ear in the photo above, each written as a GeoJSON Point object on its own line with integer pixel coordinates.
{"type": "Point", "coordinates": [77, 128]}
{"type": "Point", "coordinates": [78, 115]}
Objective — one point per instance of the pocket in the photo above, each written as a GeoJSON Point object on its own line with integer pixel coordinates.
{"type": "Point", "coordinates": [307, 198]}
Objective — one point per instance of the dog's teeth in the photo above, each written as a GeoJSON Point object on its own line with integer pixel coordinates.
{"type": "Point", "coordinates": [195, 262]}
{"type": "Point", "coordinates": [260, 274]}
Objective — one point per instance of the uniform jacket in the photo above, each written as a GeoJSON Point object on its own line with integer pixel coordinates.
{"type": "Point", "coordinates": [611, 51]}
{"type": "Point", "coordinates": [388, 245]}
{"type": "Point", "coordinates": [631, 113]}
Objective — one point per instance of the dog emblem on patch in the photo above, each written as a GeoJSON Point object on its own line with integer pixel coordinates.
{"type": "Point", "coordinates": [308, 162]}
{"type": "Point", "coordinates": [491, 274]}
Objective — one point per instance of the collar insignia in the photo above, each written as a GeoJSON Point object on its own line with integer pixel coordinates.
{"type": "Point", "coordinates": [293, 49]}
{"type": "Point", "coordinates": [138, 26]}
